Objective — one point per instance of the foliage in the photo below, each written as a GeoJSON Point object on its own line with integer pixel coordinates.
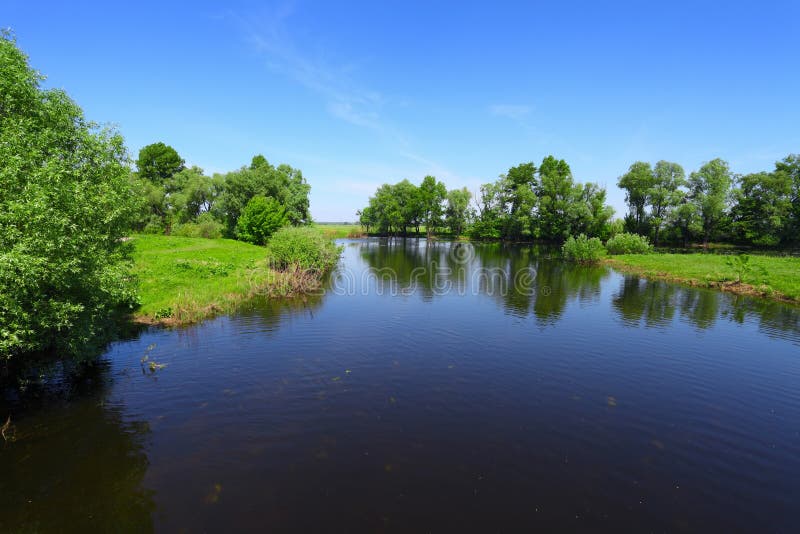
{"type": "Point", "coordinates": [261, 217]}
{"type": "Point", "coordinates": [543, 203]}
{"type": "Point", "coordinates": [302, 248]}
{"type": "Point", "coordinates": [709, 188]}
{"type": "Point", "coordinates": [664, 194]}
{"type": "Point", "coordinates": [741, 265]}
{"type": "Point", "coordinates": [457, 213]}
{"type": "Point", "coordinates": [637, 183]}
{"type": "Point", "coordinates": [158, 162]}
{"type": "Point", "coordinates": [583, 249]}
{"type": "Point", "coordinates": [762, 214]}
{"type": "Point", "coordinates": [283, 183]}
{"type": "Point", "coordinates": [431, 194]}
{"type": "Point", "coordinates": [626, 243]}
{"type": "Point", "coordinates": [66, 201]}
{"type": "Point", "coordinates": [205, 226]}
{"type": "Point", "coordinates": [178, 197]}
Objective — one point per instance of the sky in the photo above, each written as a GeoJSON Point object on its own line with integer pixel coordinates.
{"type": "Point", "coordinates": [357, 94]}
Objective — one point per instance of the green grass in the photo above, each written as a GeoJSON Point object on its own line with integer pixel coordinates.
{"type": "Point", "coordinates": [771, 276]}
{"type": "Point", "coordinates": [339, 231]}
{"type": "Point", "coordinates": [184, 279]}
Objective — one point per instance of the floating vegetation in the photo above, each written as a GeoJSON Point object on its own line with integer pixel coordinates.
{"type": "Point", "coordinates": [612, 401]}
{"type": "Point", "coordinates": [148, 364]}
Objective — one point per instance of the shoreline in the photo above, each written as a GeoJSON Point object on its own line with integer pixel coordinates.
{"type": "Point", "coordinates": [727, 286]}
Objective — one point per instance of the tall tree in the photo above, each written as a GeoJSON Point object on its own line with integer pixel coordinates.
{"type": "Point", "coordinates": [158, 162]}
{"type": "Point", "coordinates": [664, 194]}
{"type": "Point", "coordinates": [457, 213]}
{"type": "Point", "coordinates": [709, 188]}
{"type": "Point", "coordinates": [556, 194]}
{"type": "Point", "coordinates": [637, 183]}
{"type": "Point", "coordinates": [432, 194]}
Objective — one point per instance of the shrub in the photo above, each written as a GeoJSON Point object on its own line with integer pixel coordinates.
{"type": "Point", "coordinates": [261, 217]}
{"type": "Point", "coordinates": [628, 244]}
{"type": "Point", "coordinates": [206, 226]}
{"type": "Point", "coordinates": [302, 248]}
{"type": "Point", "coordinates": [582, 249]}
{"type": "Point", "coordinates": [66, 203]}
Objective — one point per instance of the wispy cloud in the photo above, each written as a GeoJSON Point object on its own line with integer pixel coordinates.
{"type": "Point", "coordinates": [510, 111]}
{"type": "Point", "coordinates": [345, 95]}
{"type": "Point", "coordinates": [345, 98]}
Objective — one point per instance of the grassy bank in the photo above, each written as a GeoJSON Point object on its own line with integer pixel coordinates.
{"type": "Point", "coordinates": [184, 280]}
{"type": "Point", "coordinates": [767, 276]}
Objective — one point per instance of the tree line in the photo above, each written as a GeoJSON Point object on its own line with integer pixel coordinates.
{"type": "Point", "coordinates": [545, 203]}
{"type": "Point", "coordinates": [249, 203]}
{"type": "Point", "coordinates": [714, 204]}
{"type": "Point", "coordinates": [527, 202]}
{"type": "Point", "coordinates": [396, 208]}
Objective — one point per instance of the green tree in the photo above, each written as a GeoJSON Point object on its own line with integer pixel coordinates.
{"type": "Point", "coordinates": [431, 196]}
{"type": "Point", "coordinates": [409, 204]}
{"type": "Point", "coordinates": [519, 200]}
{"type": "Point", "coordinates": [457, 213]}
{"type": "Point", "coordinates": [261, 217]}
{"type": "Point", "coordinates": [685, 221]}
{"type": "Point", "coordinates": [664, 194]}
{"type": "Point", "coordinates": [556, 194]}
{"type": "Point", "coordinates": [283, 183]}
{"type": "Point", "coordinates": [637, 183]}
{"type": "Point", "coordinates": [790, 167]}
{"type": "Point", "coordinates": [158, 163]}
{"type": "Point", "coordinates": [190, 193]}
{"type": "Point", "coordinates": [66, 201]}
{"type": "Point", "coordinates": [709, 188]}
{"type": "Point", "coordinates": [763, 208]}
{"type": "Point", "coordinates": [366, 217]}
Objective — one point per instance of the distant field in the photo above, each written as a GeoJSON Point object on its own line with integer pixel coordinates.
{"type": "Point", "coordinates": [341, 230]}
{"type": "Point", "coordinates": [776, 277]}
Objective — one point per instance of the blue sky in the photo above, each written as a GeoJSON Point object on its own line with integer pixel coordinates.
{"type": "Point", "coordinates": [358, 94]}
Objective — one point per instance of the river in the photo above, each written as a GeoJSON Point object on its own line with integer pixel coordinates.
{"type": "Point", "coordinates": [432, 387]}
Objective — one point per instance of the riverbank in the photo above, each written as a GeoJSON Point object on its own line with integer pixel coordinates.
{"type": "Point", "coordinates": [183, 280]}
{"type": "Point", "coordinates": [776, 278]}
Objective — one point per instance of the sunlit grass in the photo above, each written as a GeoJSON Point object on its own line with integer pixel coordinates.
{"type": "Point", "coordinates": [770, 275]}
{"type": "Point", "coordinates": [186, 279]}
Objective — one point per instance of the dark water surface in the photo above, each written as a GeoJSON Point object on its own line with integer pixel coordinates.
{"type": "Point", "coordinates": [508, 392]}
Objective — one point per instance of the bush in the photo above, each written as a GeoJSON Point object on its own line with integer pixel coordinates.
{"type": "Point", "coordinates": [261, 217]}
{"type": "Point", "coordinates": [582, 249]}
{"type": "Point", "coordinates": [628, 244]}
{"type": "Point", "coordinates": [66, 203]}
{"type": "Point", "coordinates": [206, 226]}
{"type": "Point", "coordinates": [302, 248]}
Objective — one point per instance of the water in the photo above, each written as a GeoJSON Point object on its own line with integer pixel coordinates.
{"type": "Point", "coordinates": [508, 392]}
